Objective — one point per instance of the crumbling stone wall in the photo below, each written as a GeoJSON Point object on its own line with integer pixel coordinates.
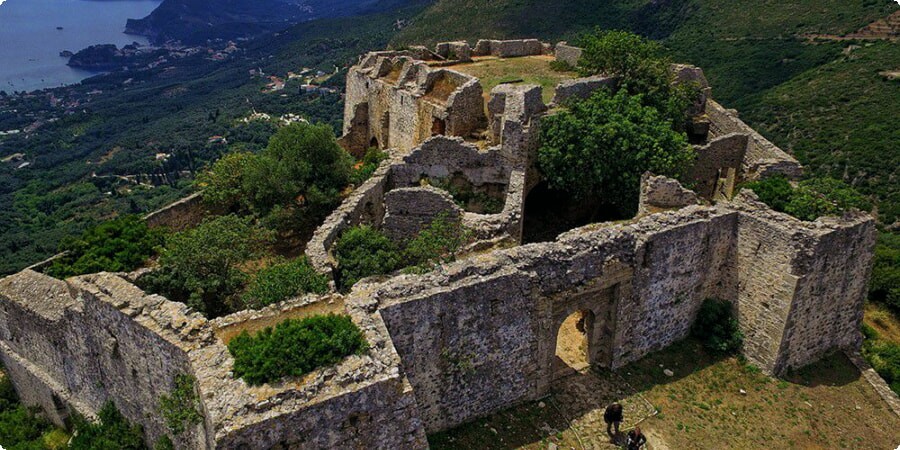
{"type": "Point", "coordinates": [394, 101]}
{"type": "Point", "coordinates": [582, 88]}
{"type": "Point", "coordinates": [660, 193]}
{"type": "Point", "coordinates": [185, 213]}
{"type": "Point", "coordinates": [86, 341]}
{"type": "Point", "coordinates": [763, 158]}
{"type": "Point", "coordinates": [568, 54]}
{"type": "Point", "coordinates": [410, 210]}
{"type": "Point", "coordinates": [510, 48]}
{"type": "Point", "coordinates": [717, 166]}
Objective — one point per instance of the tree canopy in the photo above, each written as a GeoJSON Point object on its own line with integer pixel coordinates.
{"type": "Point", "coordinates": [600, 147]}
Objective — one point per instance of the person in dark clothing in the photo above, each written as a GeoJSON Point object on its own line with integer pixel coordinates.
{"type": "Point", "coordinates": [636, 439]}
{"type": "Point", "coordinates": [613, 417]}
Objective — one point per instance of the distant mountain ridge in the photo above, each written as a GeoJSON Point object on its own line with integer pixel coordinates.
{"type": "Point", "coordinates": [195, 21]}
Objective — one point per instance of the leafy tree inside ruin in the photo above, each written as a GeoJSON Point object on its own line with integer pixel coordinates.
{"type": "Point", "coordinates": [599, 148]}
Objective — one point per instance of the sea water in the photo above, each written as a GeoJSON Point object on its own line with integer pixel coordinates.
{"type": "Point", "coordinates": [30, 42]}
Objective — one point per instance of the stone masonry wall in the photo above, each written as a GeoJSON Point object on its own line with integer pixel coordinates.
{"type": "Point", "coordinates": [763, 157]}
{"type": "Point", "coordinates": [90, 346]}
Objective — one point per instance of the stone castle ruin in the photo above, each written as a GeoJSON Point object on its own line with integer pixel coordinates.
{"type": "Point", "coordinates": [474, 336]}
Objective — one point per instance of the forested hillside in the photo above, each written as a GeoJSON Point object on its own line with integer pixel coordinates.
{"type": "Point", "coordinates": [78, 165]}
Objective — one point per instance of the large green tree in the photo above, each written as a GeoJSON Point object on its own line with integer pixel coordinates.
{"type": "Point", "coordinates": [600, 147]}
{"type": "Point", "coordinates": [203, 266]}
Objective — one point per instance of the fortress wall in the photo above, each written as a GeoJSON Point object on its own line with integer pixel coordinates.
{"type": "Point", "coordinates": [568, 54]}
{"type": "Point", "coordinates": [410, 210]}
{"type": "Point", "coordinates": [480, 335]}
{"type": "Point", "coordinates": [827, 311]}
{"type": "Point", "coordinates": [468, 349]}
{"type": "Point", "coordinates": [364, 206]}
{"type": "Point", "coordinates": [185, 213]}
{"type": "Point", "coordinates": [714, 161]}
{"type": "Point", "coordinates": [381, 415]}
{"type": "Point", "coordinates": [766, 288]}
{"type": "Point", "coordinates": [363, 401]}
{"type": "Point", "coordinates": [659, 193]}
{"type": "Point", "coordinates": [95, 349]}
{"type": "Point", "coordinates": [763, 158]}
{"type": "Point", "coordinates": [400, 102]}
{"type": "Point", "coordinates": [676, 260]}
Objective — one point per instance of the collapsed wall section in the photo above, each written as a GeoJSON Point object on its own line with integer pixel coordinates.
{"type": "Point", "coordinates": [763, 157]}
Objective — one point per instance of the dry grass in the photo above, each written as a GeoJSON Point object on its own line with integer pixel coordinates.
{"type": "Point", "coordinates": [826, 405]}
{"type": "Point", "coordinates": [493, 71]}
{"type": "Point", "coordinates": [885, 323]}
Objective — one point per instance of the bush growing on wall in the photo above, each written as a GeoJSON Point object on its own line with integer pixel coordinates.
{"type": "Point", "coordinates": [120, 245]}
{"type": "Point", "coordinates": [180, 408]}
{"type": "Point", "coordinates": [112, 432]}
{"type": "Point", "coordinates": [295, 347]}
{"type": "Point", "coordinates": [283, 281]}
{"type": "Point", "coordinates": [600, 147]}
{"type": "Point", "coordinates": [884, 356]}
{"type": "Point", "coordinates": [811, 199]}
{"type": "Point", "coordinates": [717, 327]}
{"type": "Point", "coordinates": [435, 244]}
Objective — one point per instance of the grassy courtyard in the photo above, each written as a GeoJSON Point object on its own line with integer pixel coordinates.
{"type": "Point", "coordinates": [709, 402]}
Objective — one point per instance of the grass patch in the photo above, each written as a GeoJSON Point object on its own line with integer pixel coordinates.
{"type": "Point", "coordinates": [530, 70]}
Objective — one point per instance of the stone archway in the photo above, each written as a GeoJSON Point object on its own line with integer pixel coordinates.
{"type": "Point", "coordinates": [573, 343]}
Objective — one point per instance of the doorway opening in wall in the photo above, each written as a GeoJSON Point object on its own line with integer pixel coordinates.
{"type": "Point", "coordinates": [438, 127]}
{"type": "Point", "coordinates": [572, 343]}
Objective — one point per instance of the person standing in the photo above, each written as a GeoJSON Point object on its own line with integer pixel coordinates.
{"type": "Point", "coordinates": [613, 417]}
{"type": "Point", "coordinates": [636, 439]}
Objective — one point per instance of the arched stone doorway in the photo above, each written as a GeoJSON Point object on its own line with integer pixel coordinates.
{"type": "Point", "coordinates": [573, 343]}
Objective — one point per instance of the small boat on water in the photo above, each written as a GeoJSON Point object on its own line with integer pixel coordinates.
{"type": "Point", "coordinates": [59, 28]}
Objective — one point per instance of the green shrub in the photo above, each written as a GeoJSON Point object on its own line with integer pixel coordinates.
{"type": "Point", "coordinates": [294, 348]}
{"type": "Point", "coordinates": [717, 327]}
{"type": "Point", "coordinates": [885, 285]}
{"type": "Point", "coordinates": [20, 428]}
{"type": "Point", "coordinates": [643, 68]}
{"type": "Point", "coordinates": [302, 167]}
{"type": "Point", "coordinates": [811, 199]}
{"type": "Point", "coordinates": [600, 147]}
{"type": "Point", "coordinates": [884, 356]}
{"type": "Point", "coordinates": [181, 408]}
{"type": "Point", "coordinates": [112, 432]}
{"type": "Point", "coordinates": [120, 245]}
{"type": "Point", "coordinates": [362, 252]}
{"type": "Point", "coordinates": [201, 266]}
{"type": "Point", "coordinates": [283, 281]}
{"type": "Point", "coordinates": [437, 243]}
{"type": "Point", "coordinates": [314, 164]}
{"type": "Point", "coordinates": [364, 169]}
